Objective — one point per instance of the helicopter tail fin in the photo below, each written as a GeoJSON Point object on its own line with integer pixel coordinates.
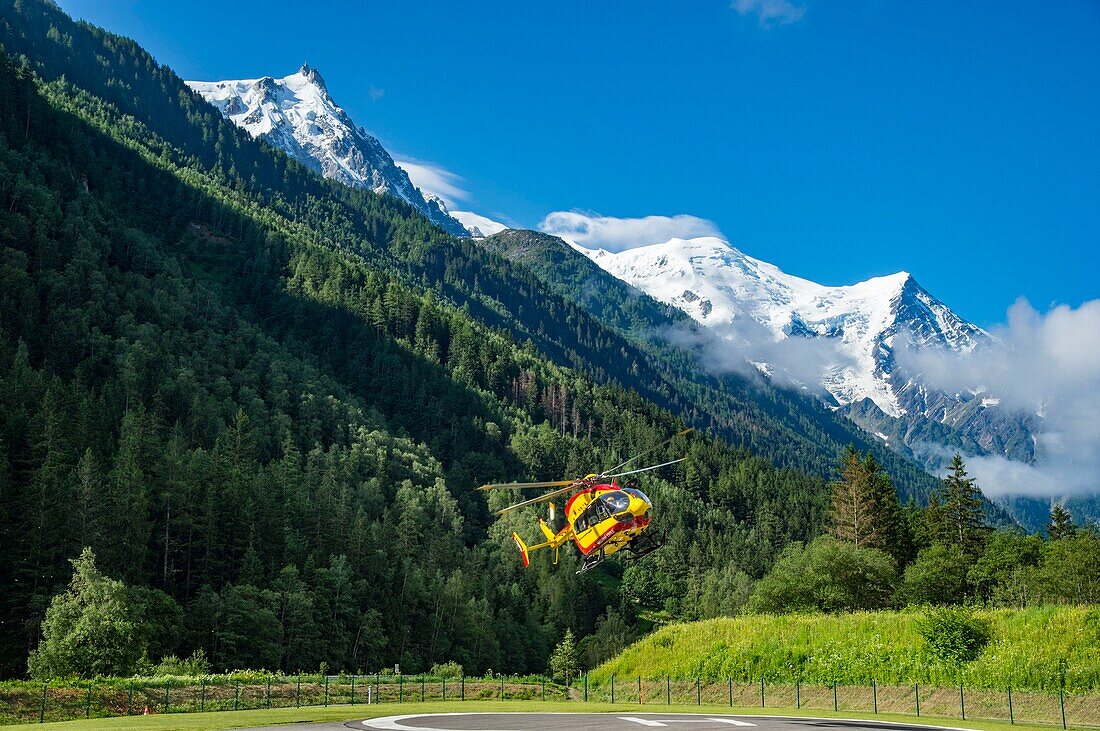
{"type": "Point", "coordinates": [522, 549]}
{"type": "Point", "coordinates": [546, 531]}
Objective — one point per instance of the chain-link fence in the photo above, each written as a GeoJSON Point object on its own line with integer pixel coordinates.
{"type": "Point", "coordinates": [29, 702]}
{"type": "Point", "coordinates": [1062, 709]}
{"type": "Point", "coordinates": [42, 702]}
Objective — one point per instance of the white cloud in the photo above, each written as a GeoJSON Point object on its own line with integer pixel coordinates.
{"type": "Point", "coordinates": [375, 93]}
{"type": "Point", "coordinates": [592, 230]}
{"type": "Point", "coordinates": [484, 224]}
{"type": "Point", "coordinates": [738, 346]}
{"type": "Point", "coordinates": [770, 13]}
{"type": "Point", "coordinates": [1045, 364]}
{"type": "Point", "coordinates": [432, 178]}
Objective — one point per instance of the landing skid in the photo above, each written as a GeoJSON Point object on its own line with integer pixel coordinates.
{"type": "Point", "coordinates": [590, 562]}
{"type": "Point", "coordinates": [643, 546]}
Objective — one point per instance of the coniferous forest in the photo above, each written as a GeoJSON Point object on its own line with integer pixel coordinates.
{"type": "Point", "coordinates": [263, 400]}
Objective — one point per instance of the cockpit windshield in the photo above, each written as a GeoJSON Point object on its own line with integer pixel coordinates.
{"type": "Point", "coordinates": [616, 501]}
{"type": "Point", "coordinates": [639, 494]}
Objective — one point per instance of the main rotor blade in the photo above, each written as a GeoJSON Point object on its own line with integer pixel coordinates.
{"type": "Point", "coordinates": [524, 485]}
{"type": "Point", "coordinates": [573, 487]}
{"type": "Point", "coordinates": [646, 469]}
{"type": "Point", "coordinates": [648, 451]}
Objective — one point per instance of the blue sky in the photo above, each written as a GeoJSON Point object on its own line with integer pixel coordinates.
{"type": "Point", "coordinates": [836, 139]}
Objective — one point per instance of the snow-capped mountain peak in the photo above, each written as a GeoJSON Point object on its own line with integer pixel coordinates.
{"type": "Point", "coordinates": [746, 299]}
{"type": "Point", "coordinates": [297, 114]}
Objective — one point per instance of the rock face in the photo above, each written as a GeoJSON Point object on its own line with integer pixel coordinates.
{"type": "Point", "coordinates": [296, 114]}
{"type": "Point", "coordinates": [755, 306]}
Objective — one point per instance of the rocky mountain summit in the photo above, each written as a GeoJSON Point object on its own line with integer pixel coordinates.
{"type": "Point", "coordinates": [852, 336]}
{"type": "Point", "coordinates": [297, 114]}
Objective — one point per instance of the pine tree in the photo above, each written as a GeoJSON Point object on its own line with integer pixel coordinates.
{"type": "Point", "coordinates": [565, 662]}
{"type": "Point", "coordinates": [960, 510]}
{"type": "Point", "coordinates": [89, 495]}
{"type": "Point", "coordinates": [854, 503]}
{"type": "Point", "coordinates": [1061, 523]}
{"type": "Point", "coordinates": [891, 527]}
{"type": "Point", "coordinates": [129, 503]}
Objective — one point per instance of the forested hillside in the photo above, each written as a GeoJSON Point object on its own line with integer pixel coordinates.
{"type": "Point", "coordinates": [263, 399]}
{"type": "Point", "coordinates": [785, 418]}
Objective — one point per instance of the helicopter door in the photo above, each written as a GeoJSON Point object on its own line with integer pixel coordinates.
{"type": "Point", "coordinates": [600, 510]}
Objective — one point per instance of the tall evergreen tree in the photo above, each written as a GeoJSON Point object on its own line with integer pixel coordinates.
{"type": "Point", "coordinates": [854, 503]}
{"type": "Point", "coordinates": [865, 507]}
{"type": "Point", "coordinates": [1061, 523]}
{"type": "Point", "coordinates": [959, 514]}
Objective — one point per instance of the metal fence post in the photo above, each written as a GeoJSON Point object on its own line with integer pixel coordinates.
{"type": "Point", "coordinates": [462, 688]}
{"type": "Point", "coordinates": [167, 691]}
{"type": "Point", "coordinates": [612, 687]}
{"type": "Point", "coordinates": [916, 696]}
{"type": "Point", "coordinates": [543, 681]}
{"type": "Point", "coordinates": [326, 690]}
{"type": "Point", "coordinates": [641, 698]}
{"type": "Point", "coordinates": [962, 701]}
{"type": "Point", "coordinates": [130, 698]}
{"type": "Point", "coordinates": [202, 695]}
{"type": "Point", "coordinates": [298, 693]}
{"type": "Point", "coordinates": [798, 694]}
{"type": "Point", "coordinates": [874, 693]}
{"type": "Point", "coordinates": [236, 694]}
{"type": "Point", "coordinates": [836, 706]}
{"type": "Point", "coordinates": [586, 687]}
{"type": "Point", "coordinates": [1011, 716]}
{"type": "Point", "coordinates": [502, 686]}
{"type": "Point", "coordinates": [422, 687]}
{"type": "Point", "coordinates": [269, 691]}
{"type": "Point", "coordinates": [42, 710]}
{"type": "Point", "coordinates": [88, 703]}
{"type": "Point", "coordinates": [668, 691]}
{"type": "Point", "coordinates": [698, 692]}
{"type": "Point", "coordinates": [731, 692]}
{"type": "Point", "coordinates": [761, 692]}
{"type": "Point", "coordinates": [445, 690]}
{"type": "Point", "coordinates": [400, 688]}
{"type": "Point", "coordinates": [1062, 703]}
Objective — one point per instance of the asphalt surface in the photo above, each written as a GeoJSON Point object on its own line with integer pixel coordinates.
{"type": "Point", "coordinates": [596, 722]}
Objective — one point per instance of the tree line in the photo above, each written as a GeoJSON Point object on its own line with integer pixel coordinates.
{"type": "Point", "coordinates": [881, 554]}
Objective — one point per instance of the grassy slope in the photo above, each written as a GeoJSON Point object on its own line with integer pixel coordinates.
{"type": "Point", "coordinates": [246, 719]}
{"type": "Point", "coordinates": [1031, 648]}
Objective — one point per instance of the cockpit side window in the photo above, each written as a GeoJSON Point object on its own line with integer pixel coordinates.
{"type": "Point", "coordinates": [601, 509]}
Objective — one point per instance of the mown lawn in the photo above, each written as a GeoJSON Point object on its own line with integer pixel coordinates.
{"type": "Point", "coordinates": [246, 719]}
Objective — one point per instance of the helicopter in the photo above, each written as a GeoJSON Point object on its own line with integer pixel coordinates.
{"type": "Point", "coordinates": [601, 516]}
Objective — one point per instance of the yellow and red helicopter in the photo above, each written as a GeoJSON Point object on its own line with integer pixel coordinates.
{"type": "Point", "coordinates": [601, 516]}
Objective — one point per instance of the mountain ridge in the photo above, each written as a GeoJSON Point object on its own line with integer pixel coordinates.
{"type": "Point", "coordinates": [297, 114]}
{"type": "Point", "coordinates": [760, 310]}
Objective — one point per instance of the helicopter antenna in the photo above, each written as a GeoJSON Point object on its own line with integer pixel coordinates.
{"type": "Point", "coordinates": [646, 469]}
{"type": "Point", "coordinates": [644, 453]}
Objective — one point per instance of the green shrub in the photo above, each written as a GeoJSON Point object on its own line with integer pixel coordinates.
{"type": "Point", "coordinates": [447, 670]}
{"type": "Point", "coordinates": [196, 664]}
{"type": "Point", "coordinates": [954, 635]}
{"type": "Point", "coordinates": [90, 629]}
{"type": "Point", "coordinates": [938, 576]}
{"type": "Point", "coordinates": [827, 575]}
